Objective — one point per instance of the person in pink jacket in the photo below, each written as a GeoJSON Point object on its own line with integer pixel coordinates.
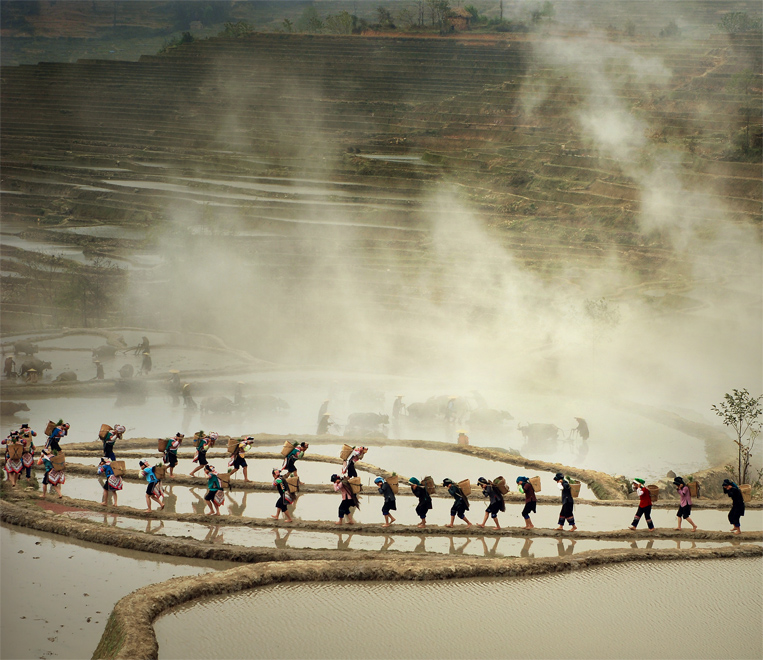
{"type": "Point", "coordinates": [684, 510]}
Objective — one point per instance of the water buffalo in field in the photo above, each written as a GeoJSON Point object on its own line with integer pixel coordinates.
{"type": "Point", "coordinates": [539, 434]}
{"type": "Point", "coordinates": [217, 404]}
{"type": "Point", "coordinates": [422, 412]}
{"type": "Point", "coordinates": [26, 347]}
{"type": "Point", "coordinates": [8, 408]}
{"type": "Point", "coordinates": [366, 424]}
{"type": "Point", "coordinates": [34, 363]}
{"type": "Point", "coordinates": [488, 417]}
{"type": "Point", "coordinates": [104, 351]}
{"type": "Point", "coordinates": [66, 377]}
{"type": "Point", "coordinates": [451, 408]}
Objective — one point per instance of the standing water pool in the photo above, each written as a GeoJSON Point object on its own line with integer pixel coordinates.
{"type": "Point", "coordinates": [637, 610]}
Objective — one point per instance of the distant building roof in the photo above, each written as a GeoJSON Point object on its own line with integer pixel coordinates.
{"type": "Point", "coordinates": [460, 12]}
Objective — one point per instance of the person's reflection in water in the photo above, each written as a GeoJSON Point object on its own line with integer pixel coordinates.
{"type": "Point", "coordinates": [199, 505]}
{"type": "Point", "coordinates": [565, 552]}
{"type": "Point", "coordinates": [236, 509]}
{"type": "Point", "coordinates": [525, 551]}
{"type": "Point", "coordinates": [214, 535]}
{"type": "Point", "coordinates": [113, 522]}
{"type": "Point", "coordinates": [421, 547]}
{"type": "Point", "coordinates": [170, 500]}
{"type": "Point", "coordinates": [490, 552]}
{"type": "Point", "coordinates": [649, 545]}
{"type": "Point", "coordinates": [279, 540]}
{"type": "Point", "coordinates": [156, 529]}
{"type": "Point", "coordinates": [692, 545]}
{"type": "Point", "coordinates": [453, 550]}
{"type": "Point", "coordinates": [341, 544]}
{"type": "Point", "coordinates": [388, 541]}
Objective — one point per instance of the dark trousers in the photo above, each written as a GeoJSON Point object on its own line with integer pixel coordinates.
{"type": "Point", "coordinates": [645, 511]}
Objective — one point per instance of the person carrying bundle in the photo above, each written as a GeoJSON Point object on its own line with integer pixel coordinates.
{"type": "Point", "coordinates": [425, 500]}
{"type": "Point", "coordinates": [644, 504]}
{"type": "Point", "coordinates": [171, 453]}
{"type": "Point", "coordinates": [109, 440]}
{"type": "Point", "coordinates": [113, 483]}
{"type": "Point", "coordinates": [154, 489]}
{"type": "Point", "coordinates": [349, 499]}
{"type": "Point", "coordinates": [460, 504]}
{"type": "Point", "coordinates": [52, 477]}
{"type": "Point", "coordinates": [13, 462]}
{"type": "Point", "coordinates": [348, 467]}
{"type": "Point", "coordinates": [684, 510]}
{"type": "Point", "coordinates": [737, 505]}
{"type": "Point", "coordinates": [237, 459]}
{"type": "Point", "coordinates": [283, 493]}
{"type": "Point", "coordinates": [215, 496]}
{"type": "Point", "coordinates": [203, 445]}
{"type": "Point", "coordinates": [567, 502]}
{"type": "Point", "coordinates": [59, 432]}
{"type": "Point", "coordinates": [496, 503]}
{"type": "Point", "coordinates": [390, 503]}
{"type": "Point", "coordinates": [27, 458]}
{"type": "Point", "coordinates": [531, 500]}
{"type": "Point", "coordinates": [289, 461]}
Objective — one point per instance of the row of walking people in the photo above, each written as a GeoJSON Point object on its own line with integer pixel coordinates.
{"type": "Point", "coordinates": [215, 496]}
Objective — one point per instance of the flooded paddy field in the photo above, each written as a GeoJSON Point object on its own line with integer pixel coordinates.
{"type": "Point", "coordinates": [58, 593]}
{"type": "Point", "coordinates": [594, 606]}
{"type": "Point", "coordinates": [615, 445]}
{"type": "Point", "coordinates": [323, 506]}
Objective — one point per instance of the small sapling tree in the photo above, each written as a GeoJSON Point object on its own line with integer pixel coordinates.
{"type": "Point", "coordinates": [741, 411]}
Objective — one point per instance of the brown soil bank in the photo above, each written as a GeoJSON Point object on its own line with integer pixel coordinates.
{"type": "Point", "coordinates": [130, 634]}
{"type": "Point", "coordinates": [24, 512]}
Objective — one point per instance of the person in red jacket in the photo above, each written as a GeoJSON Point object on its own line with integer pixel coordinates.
{"type": "Point", "coordinates": [644, 504]}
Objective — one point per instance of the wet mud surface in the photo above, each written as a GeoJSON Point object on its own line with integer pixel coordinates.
{"type": "Point", "coordinates": [516, 630]}
{"type": "Point", "coordinates": [58, 592]}
{"type": "Point", "coordinates": [138, 611]}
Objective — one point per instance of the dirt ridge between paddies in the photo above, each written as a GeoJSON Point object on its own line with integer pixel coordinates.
{"type": "Point", "coordinates": [130, 633]}
{"type": "Point", "coordinates": [23, 509]}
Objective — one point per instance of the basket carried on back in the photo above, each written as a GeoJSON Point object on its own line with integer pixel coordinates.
{"type": "Point", "coordinates": [428, 483]}
{"type": "Point", "coordinates": [105, 428]}
{"type": "Point", "coordinates": [287, 448]}
{"type": "Point", "coordinates": [224, 478]}
{"type": "Point", "coordinates": [49, 428]}
{"type": "Point", "coordinates": [59, 461]}
{"type": "Point", "coordinates": [345, 453]}
{"type": "Point", "coordinates": [356, 485]}
{"type": "Point", "coordinates": [694, 488]}
{"type": "Point", "coordinates": [466, 487]}
{"type": "Point", "coordinates": [746, 492]}
{"type": "Point", "coordinates": [15, 450]}
{"type": "Point", "coordinates": [160, 471]}
{"type": "Point", "coordinates": [162, 444]}
{"type": "Point", "coordinates": [118, 467]}
{"type": "Point", "coordinates": [393, 481]}
{"type": "Point", "coordinates": [535, 481]}
{"type": "Point", "coordinates": [575, 489]}
{"type": "Point", "coordinates": [293, 484]}
{"type": "Point", "coordinates": [501, 485]}
{"type": "Point", "coordinates": [233, 445]}
{"type": "Point", "coordinates": [654, 491]}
